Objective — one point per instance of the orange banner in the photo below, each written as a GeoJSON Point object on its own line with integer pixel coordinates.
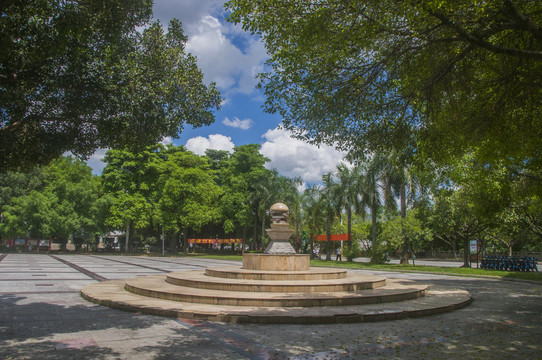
{"type": "Point", "coordinates": [334, 237]}
{"type": "Point", "coordinates": [215, 241]}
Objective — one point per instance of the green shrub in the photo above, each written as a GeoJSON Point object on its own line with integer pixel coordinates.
{"type": "Point", "coordinates": [353, 251]}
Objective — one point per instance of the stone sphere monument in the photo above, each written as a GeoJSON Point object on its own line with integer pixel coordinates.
{"type": "Point", "coordinates": [280, 231]}
{"type": "Point", "coordinates": [279, 254]}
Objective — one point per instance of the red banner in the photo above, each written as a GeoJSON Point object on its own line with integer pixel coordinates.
{"type": "Point", "coordinates": [215, 241]}
{"type": "Point", "coordinates": [334, 237]}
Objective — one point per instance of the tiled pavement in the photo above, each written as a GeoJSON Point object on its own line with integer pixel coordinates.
{"type": "Point", "coordinates": [42, 316]}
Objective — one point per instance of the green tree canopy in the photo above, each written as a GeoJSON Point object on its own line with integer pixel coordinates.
{"type": "Point", "coordinates": [397, 229]}
{"type": "Point", "coordinates": [78, 75]}
{"type": "Point", "coordinates": [461, 76]}
{"type": "Point", "coordinates": [189, 197]}
{"type": "Point", "coordinates": [59, 200]}
{"type": "Point", "coordinates": [240, 174]}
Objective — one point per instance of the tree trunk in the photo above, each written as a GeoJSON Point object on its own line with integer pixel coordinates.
{"type": "Point", "coordinates": [299, 243]}
{"type": "Point", "coordinates": [373, 226]}
{"type": "Point", "coordinates": [244, 239]}
{"type": "Point", "coordinates": [328, 233]}
{"type": "Point", "coordinates": [172, 240]}
{"type": "Point", "coordinates": [255, 240]}
{"type": "Point", "coordinates": [466, 262]}
{"type": "Point", "coordinates": [127, 242]}
{"type": "Point", "coordinates": [263, 229]}
{"type": "Point", "coordinates": [312, 246]}
{"type": "Point", "coordinates": [349, 219]}
{"type": "Point", "coordinates": [404, 253]}
{"type": "Point", "coordinates": [184, 239]}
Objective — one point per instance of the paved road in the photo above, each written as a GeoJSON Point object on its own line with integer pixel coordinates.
{"type": "Point", "coordinates": [42, 316]}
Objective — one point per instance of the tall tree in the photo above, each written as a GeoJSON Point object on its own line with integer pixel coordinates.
{"type": "Point", "coordinates": [312, 213]}
{"type": "Point", "coordinates": [189, 194]}
{"type": "Point", "coordinates": [240, 174]}
{"type": "Point", "coordinates": [293, 197]}
{"type": "Point", "coordinates": [398, 228]}
{"type": "Point", "coordinates": [79, 75]}
{"type": "Point", "coordinates": [132, 178]}
{"type": "Point", "coordinates": [400, 181]}
{"type": "Point", "coordinates": [331, 205]}
{"type": "Point", "coordinates": [273, 188]}
{"type": "Point", "coordinates": [372, 188]}
{"type": "Point", "coordinates": [349, 192]}
{"type": "Point", "coordinates": [458, 219]}
{"type": "Point", "coordinates": [265, 193]}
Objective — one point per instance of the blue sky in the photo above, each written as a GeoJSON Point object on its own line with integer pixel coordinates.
{"type": "Point", "coordinates": [231, 58]}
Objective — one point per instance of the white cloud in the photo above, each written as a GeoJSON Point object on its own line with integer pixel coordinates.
{"type": "Point", "coordinates": [232, 68]}
{"type": "Point", "coordinates": [237, 123]}
{"type": "Point", "coordinates": [199, 144]}
{"type": "Point", "coordinates": [226, 53]}
{"type": "Point", "coordinates": [293, 157]}
{"type": "Point", "coordinates": [95, 161]}
{"type": "Point", "coordinates": [188, 11]}
{"type": "Point", "coordinates": [166, 141]}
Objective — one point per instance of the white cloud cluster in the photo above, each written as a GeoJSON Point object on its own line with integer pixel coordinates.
{"type": "Point", "coordinates": [244, 124]}
{"type": "Point", "coordinates": [221, 60]}
{"type": "Point", "coordinates": [293, 157]}
{"type": "Point", "coordinates": [226, 53]}
{"type": "Point", "coordinates": [199, 144]}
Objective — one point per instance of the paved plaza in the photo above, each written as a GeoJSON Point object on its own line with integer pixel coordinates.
{"type": "Point", "coordinates": [42, 316]}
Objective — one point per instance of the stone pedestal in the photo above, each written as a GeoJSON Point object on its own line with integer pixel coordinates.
{"type": "Point", "coordinates": [280, 236]}
{"type": "Point", "coordinates": [279, 254]}
{"type": "Point", "coordinates": [274, 262]}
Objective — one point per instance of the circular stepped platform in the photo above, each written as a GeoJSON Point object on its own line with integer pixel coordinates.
{"type": "Point", "coordinates": [232, 272]}
{"type": "Point", "coordinates": [158, 287]}
{"type": "Point", "coordinates": [237, 295]}
{"type": "Point", "coordinates": [197, 279]}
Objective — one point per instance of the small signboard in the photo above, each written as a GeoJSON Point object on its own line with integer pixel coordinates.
{"type": "Point", "coordinates": [215, 241]}
{"type": "Point", "coordinates": [473, 247]}
{"type": "Point", "coordinates": [333, 237]}
{"type": "Point", "coordinates": [45, 242]}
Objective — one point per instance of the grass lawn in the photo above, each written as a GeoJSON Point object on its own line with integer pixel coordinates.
{"type": "Point", "coordinates": [457, 271]}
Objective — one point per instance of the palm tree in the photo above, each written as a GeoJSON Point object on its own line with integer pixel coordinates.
{"type": "Point", "coordinates": [371, 189]}
{"type": "Point", "coordinates": [273, 188]}
{"type": "Point", "coordinates": [293, 198]}
{"type": "Point", "coordinates": [330, 204]}
{"type": "Point", "coordinates": [266, 191]}
{"type": "Point", "coordinates": [312, 212]}
{"type": "Point", "coordinates": [349, 193]}
{"type": "Point", "coordinates": [399, 181]}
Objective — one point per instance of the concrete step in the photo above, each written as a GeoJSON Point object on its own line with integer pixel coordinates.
{"type": "Point", "coordinates": [155, 286]}
{"type": "Point", "coordinates": [199, 279]}
{"type": "Point", "coordinates": [232, 272]}
{"type": "Point", "coordinates": [437, 300]}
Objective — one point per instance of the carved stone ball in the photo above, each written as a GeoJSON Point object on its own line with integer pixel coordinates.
{"type": "Point", "coordinates": [279, 207]}
{"type": "Point", "coordinates": [279, 213]}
